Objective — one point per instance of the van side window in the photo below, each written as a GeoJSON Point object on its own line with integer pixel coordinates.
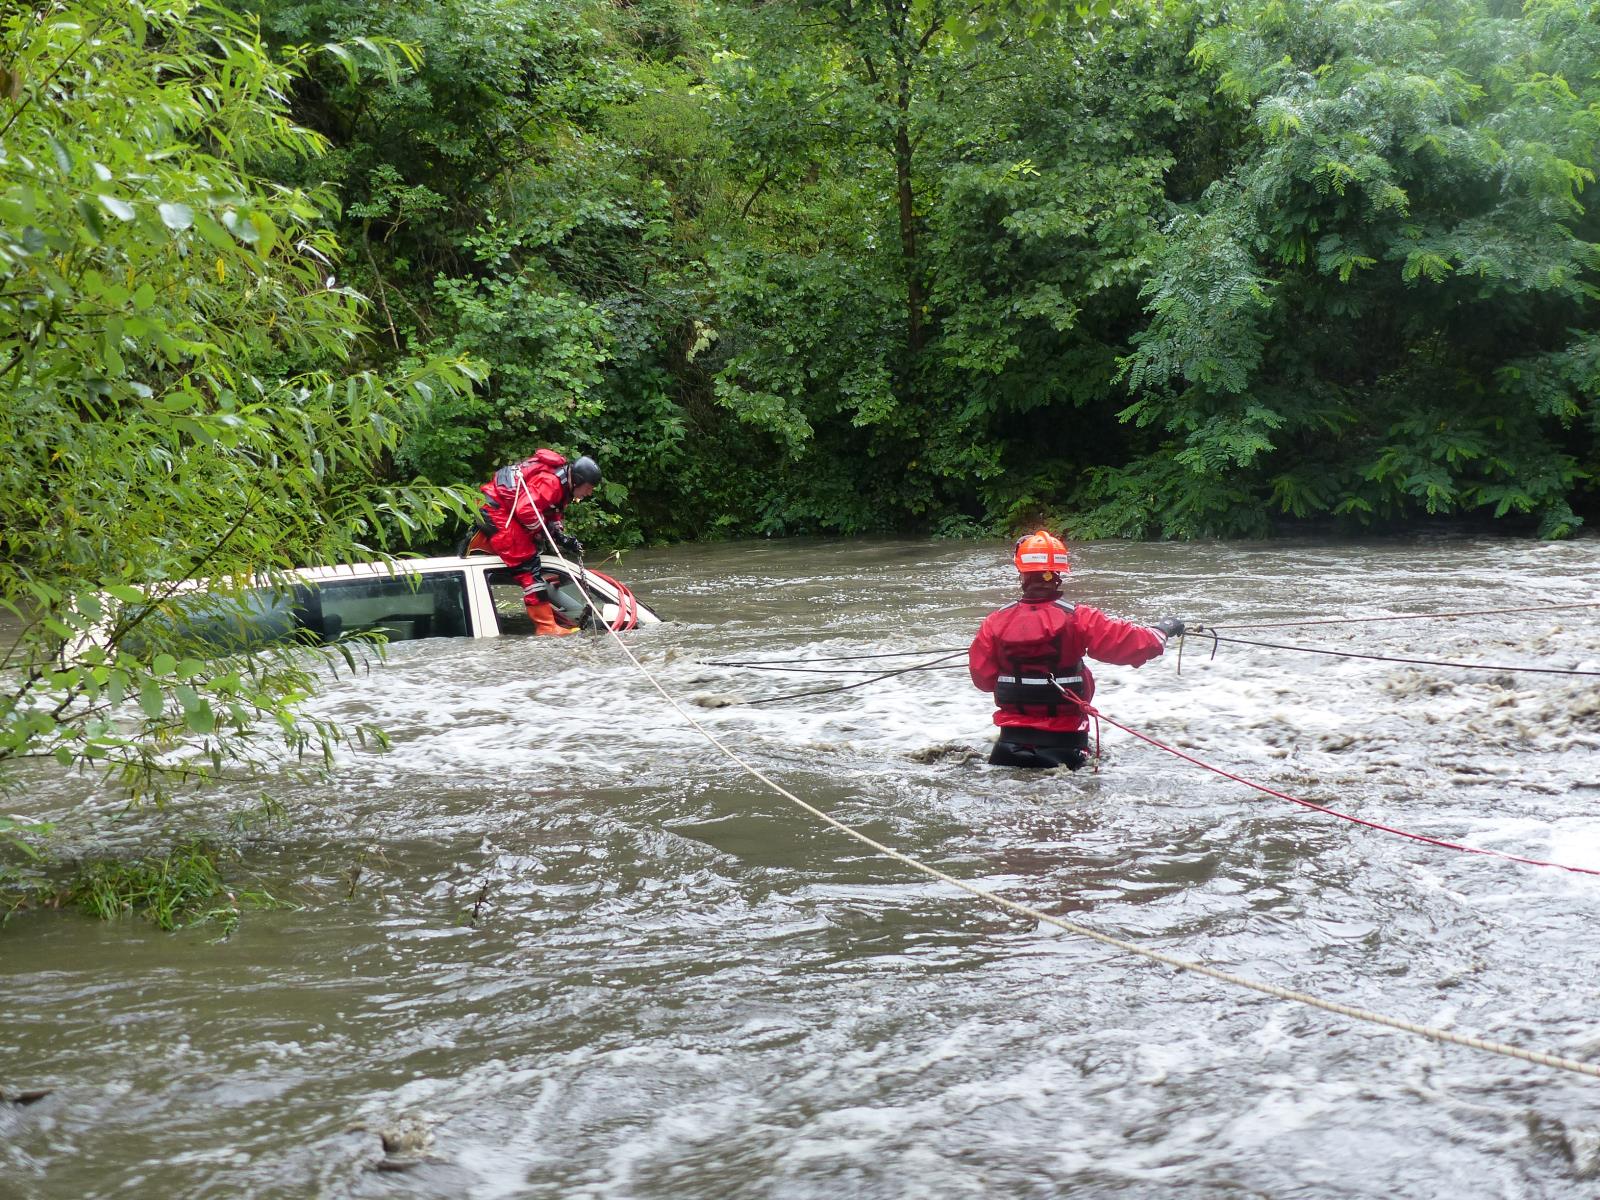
{"type": "Point", "coordinates": [512, 615]}
{"type": "Point", "coordinates": [509, 613]}
{"type": "Point", "coordinates": [403, 608]}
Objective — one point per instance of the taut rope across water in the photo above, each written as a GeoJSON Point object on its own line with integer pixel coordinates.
{"type": "Point", "coordinates": [1432, 1033]}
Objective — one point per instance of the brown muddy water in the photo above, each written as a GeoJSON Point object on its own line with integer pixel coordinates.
{"type": "Point", "coordinates": [678, 985]}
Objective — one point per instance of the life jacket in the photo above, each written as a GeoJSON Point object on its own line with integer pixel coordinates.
{"type": "Point", "coordinates": [1033, 672]}
{"type": "Point", "coordinates": [501, 490]}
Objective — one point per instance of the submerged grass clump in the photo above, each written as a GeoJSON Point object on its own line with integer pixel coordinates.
{"type": "Point", "coordinates": [183, 887]}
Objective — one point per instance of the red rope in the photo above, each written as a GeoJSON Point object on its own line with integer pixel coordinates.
{"type": "Point", "coordinates": [1416, 837]}
{"type": "Point", "coordinates": [627, 606]}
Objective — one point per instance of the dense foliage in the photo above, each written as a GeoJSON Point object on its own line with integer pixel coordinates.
{"type": "Point", "coordinates": [828, 265]}
{"type": "Point", "coordinates": [178, 400]}
{"type": "Point", "coordinates": [806, 265]}
{"type": "Point", "coordinates": [1386, 304]}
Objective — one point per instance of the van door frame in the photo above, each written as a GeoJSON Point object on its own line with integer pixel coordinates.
{"type": "Point", "coordinates": [479, 602]}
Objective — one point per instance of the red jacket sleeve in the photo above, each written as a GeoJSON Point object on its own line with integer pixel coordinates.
{"type": "Point", "coordinates": [982, 662]}
{"type": "Point", "coordinates": [1114, 641]}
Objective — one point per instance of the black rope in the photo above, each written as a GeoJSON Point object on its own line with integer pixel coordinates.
{"type": "Point", "coordinates": [1470, 612]}
{"type": "Point", "coordinates": [763, 662]}
{"type": "Point", "coordinates": [808, 670]}
{"type": "Point", "coordinates": [759, 666]}
{"type": "Point", "coordinates": [1211, 631]}
{"type": "Point", "coordinates": [937, 664]}
{"type": "Point", "coordinates": [1420, 662]}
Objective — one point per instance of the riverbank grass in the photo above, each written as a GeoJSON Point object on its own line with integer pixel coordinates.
{"type": "Point", "coordinates": [181, 888]}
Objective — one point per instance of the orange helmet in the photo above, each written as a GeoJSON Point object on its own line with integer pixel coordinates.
{"type": "Point", "coordinates": [1041, 552]}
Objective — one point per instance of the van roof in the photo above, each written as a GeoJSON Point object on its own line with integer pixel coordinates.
{"type": "Point", "coordinates": [391, 567]}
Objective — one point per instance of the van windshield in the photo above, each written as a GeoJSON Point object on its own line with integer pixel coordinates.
{"type": "Point", "coordinates": [216, 622]}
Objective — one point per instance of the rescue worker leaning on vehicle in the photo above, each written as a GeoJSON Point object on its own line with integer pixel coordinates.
{"type": "Point", "coordinates": [525, 505]}
{"type": "Point", "coordinates": [1032, 650]}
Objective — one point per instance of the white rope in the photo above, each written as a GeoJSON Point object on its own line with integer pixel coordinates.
{"type": "Point", "coordinates": [1266, 989]}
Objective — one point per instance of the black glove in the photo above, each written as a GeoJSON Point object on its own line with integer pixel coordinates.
{"type": "Point", "coordinates": [571, 547]}
{"type": "Point", "coordinates": [1169, 627]}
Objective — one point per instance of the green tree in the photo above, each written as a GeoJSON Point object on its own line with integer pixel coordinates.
{"type": "Point", "coordinates": [1387, 306]}
{"type": "Point", "coordinates": [1037, 172]}
{"type": "Point", "coordinates": [529, 192]}
{"type": "Point", "coordinates": [152, 285]}
{"type": "Point", "coordinates": [1055, 172]}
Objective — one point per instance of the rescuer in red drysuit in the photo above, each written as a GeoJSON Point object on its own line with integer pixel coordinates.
{"type": "Point", "coordinates": [522, 495]}
{"type": "Point", "coordinates": [1024, 650]}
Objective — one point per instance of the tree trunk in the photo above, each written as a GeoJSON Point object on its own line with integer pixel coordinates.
{"type": "Point", "coordinates": [908, 228]}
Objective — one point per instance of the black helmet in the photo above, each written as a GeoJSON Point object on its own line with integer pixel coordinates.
{"type": "Point", "coordinates": [584, 470]}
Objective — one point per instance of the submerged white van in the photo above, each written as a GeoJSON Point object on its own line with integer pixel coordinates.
{"type": "Point", "coordinates": [407, 599]}
{"type": "Point", "coordinates": [475, 596]}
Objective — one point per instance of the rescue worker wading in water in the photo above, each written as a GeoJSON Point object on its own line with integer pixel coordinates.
{"type": "Point", "coordinates": [519, 496]}
{"type": "Point", "coordinates": [1031, 650]}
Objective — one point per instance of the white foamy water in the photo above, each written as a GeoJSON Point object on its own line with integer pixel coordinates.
{"type": "Point", "coordinates": [677, 985]}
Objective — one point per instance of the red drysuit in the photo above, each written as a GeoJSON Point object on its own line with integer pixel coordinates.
{"type": "Point", "coordinates": [525, 502]}
{"type": "Point", "coordinates": [1021, 645]}
{"type": "Point", "coordinates": [519, 495]}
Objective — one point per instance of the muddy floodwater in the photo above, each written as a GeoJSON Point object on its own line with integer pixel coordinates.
{"type": "Point", "coordinates": [554, 945]}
